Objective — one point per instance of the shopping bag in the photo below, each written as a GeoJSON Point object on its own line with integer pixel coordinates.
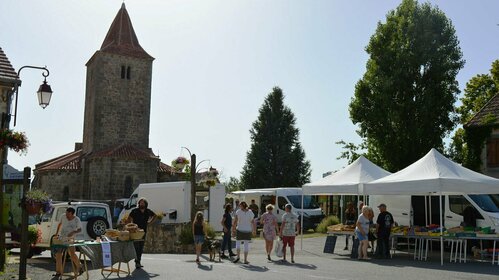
{"type": "Point", "coordinates": [278, 248]}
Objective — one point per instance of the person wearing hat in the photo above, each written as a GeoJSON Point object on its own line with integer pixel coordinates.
{"type": "Point", "coordinates": [290, 227]}
{"type": "Point", "coordinates": [383, 228]}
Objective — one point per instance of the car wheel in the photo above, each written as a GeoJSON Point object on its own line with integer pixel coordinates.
{"type": "Point", "coordinates": [96, 226]}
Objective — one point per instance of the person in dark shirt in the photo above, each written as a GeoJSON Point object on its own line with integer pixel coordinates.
{"type": "Point", "coordinates": [469, 216]}
{"type": "Point", "coordinates": [254, 208]}
{"type": "Point", "coordinates": [142, 216]}
{"type": "Point", "coordinates": [383, 228]}
{"type": "Point", "coordinates": [227, 226]}
{"type": "Point", "coordinates": [350, 219]}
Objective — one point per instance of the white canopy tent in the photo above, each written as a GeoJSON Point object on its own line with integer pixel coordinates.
{"type": "Point", "coordinates": [347, 181]}
{"type": "Point", "coordinates": [433, 174]}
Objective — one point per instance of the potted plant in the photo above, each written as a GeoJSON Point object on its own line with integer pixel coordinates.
{"type": "Point", "coordinates": [37, 202]}
{"type": "Point", "coordinates": [179, 163]}
{"type": "Point", "coordinates": [34, 235]}
{"type": "Point", "coordinates": [16, 141]}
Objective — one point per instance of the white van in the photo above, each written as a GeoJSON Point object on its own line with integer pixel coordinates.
{"type": "Point", "coordinates": [279, 197]}
{"type": "Point", "coordinates": [410, 210]}
{"type": "Point", "coordinates": [173, 199]}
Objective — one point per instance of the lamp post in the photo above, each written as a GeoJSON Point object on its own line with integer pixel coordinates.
{"type": "Point", "coordinates": [193, 168]}
{"type": "Point", "coordinates": [44, 94]}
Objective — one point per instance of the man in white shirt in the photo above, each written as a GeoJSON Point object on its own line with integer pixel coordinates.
{"type": "Point", "coordinates": [68, 227]}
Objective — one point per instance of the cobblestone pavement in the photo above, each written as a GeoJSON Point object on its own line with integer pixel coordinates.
{"type": "Point", "coordinates": [311, 263]}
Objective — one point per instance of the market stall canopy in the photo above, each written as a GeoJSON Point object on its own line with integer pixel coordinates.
{"type": "Point", "coordinates": [349, 180]}
{"type": "Point", "coordinates": [268, 191]}
{"type": "Point", "coordinates": [433, 173]}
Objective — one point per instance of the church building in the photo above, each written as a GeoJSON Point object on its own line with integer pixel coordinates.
{"type": "Point", "coordinates": [115, 156]}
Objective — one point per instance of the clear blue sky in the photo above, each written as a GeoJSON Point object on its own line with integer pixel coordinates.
{"type": "Point", "coordinates": [215, 63]}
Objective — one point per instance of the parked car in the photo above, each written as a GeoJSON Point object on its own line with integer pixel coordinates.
{"type": "Point", "coordinates": [95, 219]}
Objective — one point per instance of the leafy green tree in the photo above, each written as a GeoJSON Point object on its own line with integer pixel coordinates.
{"type": "Point", "coordinates": [276, 158]}
{"type": "Point", "coordinates": [404, 103]}
{"type": "Point", "coordinates": [467, 144]}
{"type": "Point", "coordinates": [234, 184]}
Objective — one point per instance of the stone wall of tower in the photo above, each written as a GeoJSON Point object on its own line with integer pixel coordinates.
{"type": "Point", "coordinates": [117, 101]}
{"type": "Point", "coordinates": [107, 177]}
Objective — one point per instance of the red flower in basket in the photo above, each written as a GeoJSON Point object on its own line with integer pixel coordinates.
{"type": "Point", "coordinates": [16, 141]}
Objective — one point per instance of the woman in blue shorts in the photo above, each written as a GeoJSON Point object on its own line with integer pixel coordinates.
{"type": "Point", "coordinates": [361, 231]}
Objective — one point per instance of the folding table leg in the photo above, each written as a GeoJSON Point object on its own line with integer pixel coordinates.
{"type": "Point", "coordinates": [451, 249]}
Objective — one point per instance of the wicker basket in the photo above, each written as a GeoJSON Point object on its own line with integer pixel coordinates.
{"type": "Point", "coordinates": [137, 235]}
{"type": "Point", "coordinates": [124, 236]}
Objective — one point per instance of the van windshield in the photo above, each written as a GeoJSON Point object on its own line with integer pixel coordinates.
{"type": "Point", "coordinates": [308, 202]}
{"type": "Point", "coordinates": [488, 202]}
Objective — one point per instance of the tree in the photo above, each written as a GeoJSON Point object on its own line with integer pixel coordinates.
{"type": "Point", "coordinates": [234, 184]}
{"type": "Point", "coordinates": [404, 103]}
{"type": "Point", "coordinates": [276, 158]}
{"type": "Point", "coordinates": [467, 144]}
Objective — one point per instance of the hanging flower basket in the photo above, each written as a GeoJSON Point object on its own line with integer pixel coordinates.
{"type": "Point", "coordinates": [16, 141]}
{"type": "Point", "coordinates": [179, 163]}
{"type": "Point", "coordinates": [208, 183]}
{"type": "Point", "coordinates": [37, 202]}
{"type": "Point", "coordinates": [33, 208]}
{"type": "Point", "coordinates": [212, 173]}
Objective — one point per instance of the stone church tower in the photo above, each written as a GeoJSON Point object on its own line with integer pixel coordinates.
{"type": "Point", "coordinates": [114, 157]}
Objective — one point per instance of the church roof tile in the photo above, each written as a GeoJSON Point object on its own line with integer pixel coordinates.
{"type": "Point", "coordinates": [125, 151]}
{"type": "Point", "coordinates": [69, 162]}
{"type": "Point", "coordinates": [121, 38]}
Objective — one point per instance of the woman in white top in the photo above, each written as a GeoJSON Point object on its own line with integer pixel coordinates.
{"type": "Point", "coordinates": [244, 226]}
{"type": "Point", "coordinates": [362, 231]}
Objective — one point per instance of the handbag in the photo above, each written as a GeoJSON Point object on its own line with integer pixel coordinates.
{"type": "Point", "coordinates": [278, 248]}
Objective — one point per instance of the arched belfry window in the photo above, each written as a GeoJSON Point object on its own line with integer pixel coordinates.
{"type": "Point", "coordinates": [123, 73]}
{"type": "Point", "coordinates": [128, 190]}
{"type": "Point", "coordinates": [128, 70]}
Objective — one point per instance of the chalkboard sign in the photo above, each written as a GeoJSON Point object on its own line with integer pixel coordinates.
{"type": "Point", "coordinates": [330, 243]}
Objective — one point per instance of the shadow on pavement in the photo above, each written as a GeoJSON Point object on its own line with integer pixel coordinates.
{"type": "Point", "coordinates": [205, 267]}
{"type": "Point", "coordinates": [142, 274]}
{"type": "Point", "coordinates": [298, 265]}
{"type": "Point", "coordinates": [254, 268]}
{"type": "Point", "coordinates": [478, 267]}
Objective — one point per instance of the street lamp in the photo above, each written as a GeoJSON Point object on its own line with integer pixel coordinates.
{"type": "Point", "coordinates": [193, 169]}
{"type": "Point", "coordinates": [44, 91]}
{"type": "Point", "coordinates": [44, 94]}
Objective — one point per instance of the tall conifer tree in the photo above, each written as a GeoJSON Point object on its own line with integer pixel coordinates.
{"type": "Point", "coordinates": [276, 158]}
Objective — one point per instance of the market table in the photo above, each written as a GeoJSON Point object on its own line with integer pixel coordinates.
{"type": "Point", "coordinates": [493, 238]}
{"type": "Point", "coordinates": [120, 252]}
{"type": "Point", "coordinates": [347, 234]}
{"type": "Point", "coordinates": [64, 248]}
{"type": "Point", "coordinates": [458, 245]}
{"type": "Point", "coordinates": [421, 244]}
